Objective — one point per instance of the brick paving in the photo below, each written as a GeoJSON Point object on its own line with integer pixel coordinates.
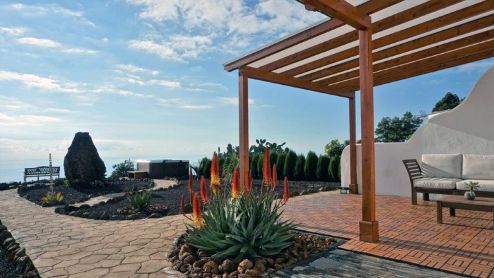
{"type": "Point", "coordinates": [65, 246]}
{"type": "Point", "coordinates": [463, 244]}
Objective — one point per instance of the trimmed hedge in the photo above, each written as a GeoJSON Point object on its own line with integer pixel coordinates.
{"type": "Point", "coordinates": [253, 166]}
{"type": "Point", "coordinates": [289, 169]}
{"type": "Point", "coordinates": [280, 164]}
{"type": "Point", "coordinates": [334, 169]}
{"type": "Point", "coordinates": [272, 158]}
{"type": "Point", "coordinates": [260, 167]}
{"type": "Point", "coordinates": [310, 166]}
{"type": "Point", "coordinates": [322, 168]}
{"type": "Point", "coordinates": [299, 168]}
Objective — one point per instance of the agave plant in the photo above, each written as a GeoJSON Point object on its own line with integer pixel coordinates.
{"type": "Point", "coordinates": [140, 201]}
{"type": "Point", "coordinates": [248, 226]}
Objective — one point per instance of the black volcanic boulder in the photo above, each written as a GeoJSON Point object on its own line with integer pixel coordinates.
{"type": "Point", "coordinates": [82, 163]}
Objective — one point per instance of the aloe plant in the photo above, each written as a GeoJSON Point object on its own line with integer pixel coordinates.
{"type": "Point", "coordinates": [245, 227]}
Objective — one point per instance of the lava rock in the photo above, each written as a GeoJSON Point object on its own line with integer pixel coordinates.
{"type": "Point", "coordinates": [244, 265]}
{"type": "Point", "coordinates": [155, 215]}
{"type": "Point", "coordinates": [82, 163]}
{"type": "Point", "coordinates": [210, 267]}
{"type": "Point", "coordinates": [199, 264]}
{"type": "Point", "coordinates": [227, 266]}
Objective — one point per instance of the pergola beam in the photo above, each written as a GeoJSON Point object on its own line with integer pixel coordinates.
{"type": "Point", "coordinates": [342, 10]}
{"type": "Point", "coordinates": [437, 37]}
{"type": "Point", "coordinates": [368, 7]}
{"type": "Point", "coordinates": [415, 56]}
{"type": "Point", "coordinates": [407, 33]}
{"type": "Point", "coordinates": [383, 24]}
{"type": "Point", "coordinates": [419, 67]}
{"type": "Point", "coordinates": [289, 81]}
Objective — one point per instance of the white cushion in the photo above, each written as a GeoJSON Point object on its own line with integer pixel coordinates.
{"type": "Point", "coordinates": [436, 183]}
{"type": "Point", "coordinates": [478, 167]}
{"type": "Point", "coordinates": [442, 165]}
{"type": "Point", "coordinates": [484, 185]}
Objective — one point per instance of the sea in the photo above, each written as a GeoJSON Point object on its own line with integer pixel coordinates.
{"type": "Point", "coordinates": [13, 170]}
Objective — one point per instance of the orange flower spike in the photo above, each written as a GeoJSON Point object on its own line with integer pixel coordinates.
{"type": "Point", "coordinates": [286, 193]}
{"type": "Point", "coordinates": [204, 192]}
{"type": "Point", "coordinates": [215, 176]}
{"type": "Point", "coordinates": [266, 180]}
{"type": "Point", "coordinates": [196, 212]}
{"type": "Point", "coordinates": [182, 204]}
{"type": "Point", "coordinates": [191, 185]}
{"type": "Point", "coordinates": [275, 176]}
{"type": "Point", "coordinates": [235, 186]}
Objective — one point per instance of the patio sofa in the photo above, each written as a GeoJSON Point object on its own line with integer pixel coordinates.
{"type": "Point", "coordinates": [449, 174]}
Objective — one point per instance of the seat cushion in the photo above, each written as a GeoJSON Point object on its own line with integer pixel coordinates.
{"type": "Point", "coordinates": [442, 165]}
{"type": "Point", "coordinates": [484, 185]}
{"type": "Point", "coordinates": [478, 167]}
{"type": "Point", "coordinates": [436, 183]}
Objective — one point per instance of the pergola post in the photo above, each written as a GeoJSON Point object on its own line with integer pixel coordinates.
{"type": "Point", "coordinates": [243, 99]}
{"type": "Point", "coordinates": [353, 147]}
{"type": "Point", "coordinates": [368, 226]}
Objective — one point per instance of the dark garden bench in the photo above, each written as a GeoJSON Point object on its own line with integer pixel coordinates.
{"type": "Point", "coordinates": [42, 171]}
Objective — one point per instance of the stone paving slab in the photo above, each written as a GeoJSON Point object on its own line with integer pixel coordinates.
{"type": "Point", "coordinates": [65, 246]}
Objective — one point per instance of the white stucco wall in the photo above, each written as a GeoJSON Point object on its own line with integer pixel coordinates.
{"type": "Point", "coordinates": [469, 128]}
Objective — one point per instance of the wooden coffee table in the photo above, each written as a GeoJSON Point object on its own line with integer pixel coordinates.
{"type": "Point", "coordinates": [459, 202]}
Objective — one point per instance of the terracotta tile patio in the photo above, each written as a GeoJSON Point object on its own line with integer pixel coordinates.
{"type": "Point", "coordinates": [463, 244]}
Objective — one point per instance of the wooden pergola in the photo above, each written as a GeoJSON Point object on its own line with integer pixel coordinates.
{"type": "Point", "coordinates": [363, 44]}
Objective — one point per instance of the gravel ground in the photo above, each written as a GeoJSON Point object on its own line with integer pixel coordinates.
{"type": "Point", "coordinates": [7, 270]}
{"type": "Point", "coordinates": [71, 195]}
{"type": "Point", "coordinates": [167, 201]}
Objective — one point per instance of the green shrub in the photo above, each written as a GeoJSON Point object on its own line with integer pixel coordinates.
{"type": "Point", "coordinates": [205, 167]}
{"type": "Point", "coordinates": [122, 169]}
{"type": "Point", "coordinates": [280, 164]}
{"type": "Point", "coordinates": [66, 183]}
{"type": "Point", "coordinates": [253, 166]}
{"type": "Point", "coordinates": [322, 168]}
{"type": "Point", "coordinates": [272, 158]}
{"type": "Point", "coordinates": [202, 166]}
{"type": "Point", "coordinates": [299, 168]}
{"type": "Point", "coordinates": [140, 201]}
{"type": "Point", "coordinates": [334, 169]}
{"type": "Point", "coordinates": [260, 167]}
{"type": "Point", "coordinates": [247, 227]}
{"type": "Point", "coordinates": [310, 166]}
{"type": "Point", "coordinates": [289, 169]}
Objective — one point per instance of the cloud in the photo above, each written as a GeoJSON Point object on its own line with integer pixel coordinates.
{"type": "Point", "coordinates": [177, 47]}
{"type": "Point", "coordinates": [136, 80]}
{"type": "Point", "coordinates": [229, 16]}
{"type": "Point", "coordinates": [50, 9]}
{"type": "Point", "coordinates": [7, 120]}
{"type": "Point", "coordinates": [47, 43]}
{"type": "Point", "coordinates": [232, 101]}
{"type": "Point", "coordinates": [39, 82]}
{"type": "Point", "coordinates": [474, 67]}
{"type": "Point", "coordinates": [135, 69]}
{"type": "Point", "coordinates": [13, 31]}
{"type": "Point", "coordinates": [165, 83]}
{"type": "Point", "coordinates": [44, 43]}
{"type": "Point", "coordinates": [180, 103]}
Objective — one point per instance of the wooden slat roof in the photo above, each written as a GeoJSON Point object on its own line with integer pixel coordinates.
{"type": "Point", "coordinates": [410, 38]}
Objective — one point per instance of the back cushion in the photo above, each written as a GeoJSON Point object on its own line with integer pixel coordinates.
{"type": "Point", "coordinates": [478, 167]}
{"type": "Point", "coordinates": [442, 165]}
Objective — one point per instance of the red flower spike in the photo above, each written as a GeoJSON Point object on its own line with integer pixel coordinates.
{"type": "Point", "coordinates": [191, 185]}
{"type": "Point", "coordinates": [196, 212]}
{"type": "Point", "coordinates": [266, 179]}
{"type": "Point", "coordinates": [215, 174]}
{"type": "Point", "coordinates": [275, 177]}
{"type": "Point", "coordinates": [235, 186]}
{"type": "Point", "coordinates": [204, 192]}
{"type": "Point", "coordinates": [286, 193]}
{"type": "Point", "coordinates": [182, 204]}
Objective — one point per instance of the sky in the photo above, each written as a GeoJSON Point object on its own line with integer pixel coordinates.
{"type": "Point", "coordinates": [145, 79]}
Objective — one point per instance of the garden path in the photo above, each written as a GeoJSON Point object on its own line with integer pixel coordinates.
{"type": "Point", "coordinates": [65, 246]}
